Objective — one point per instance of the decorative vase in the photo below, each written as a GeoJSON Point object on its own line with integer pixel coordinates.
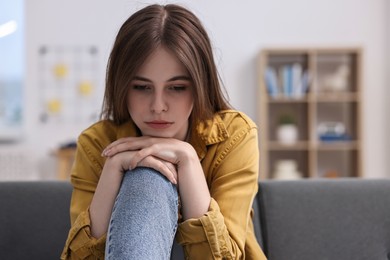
{"type": "Point", "coordinates": [287, 134]}
{"type": "Point", "coordinates": [286, 169]}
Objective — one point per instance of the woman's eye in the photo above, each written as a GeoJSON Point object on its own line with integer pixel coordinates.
{"type": "Point", "coordinates": [178, 88]}
{"type": "Point", "coordinates": [141, 87]}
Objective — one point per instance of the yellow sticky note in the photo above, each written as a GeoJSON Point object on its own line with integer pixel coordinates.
{"type": "Point", "coordinates": [60, 70]}
{"type": "Point", "coordinates": [85, 88]}
{"type": "Point", "coordinates": [54, 106]}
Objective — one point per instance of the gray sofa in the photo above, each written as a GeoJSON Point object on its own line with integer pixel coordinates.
{"type": "Point", "coordinates": [307, 219]}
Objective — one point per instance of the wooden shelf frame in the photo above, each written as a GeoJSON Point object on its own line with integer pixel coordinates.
{"type": "Point", "coordinates": [311, 107]}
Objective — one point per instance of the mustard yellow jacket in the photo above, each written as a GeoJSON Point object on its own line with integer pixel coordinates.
{"type": "Point", "coordinates": [227, 147]}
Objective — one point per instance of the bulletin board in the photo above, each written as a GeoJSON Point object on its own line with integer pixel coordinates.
{"type": "Point", "coordinates": [69, 84]}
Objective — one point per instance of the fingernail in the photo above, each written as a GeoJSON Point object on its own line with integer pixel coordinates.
{"type": "Point", "coordinates": [106, 152]}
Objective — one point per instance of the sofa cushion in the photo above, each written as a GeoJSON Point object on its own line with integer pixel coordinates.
{"type": "Point", "coordinates": [34, 219]}
{"type": "Point", "coordinates": [325, 219]}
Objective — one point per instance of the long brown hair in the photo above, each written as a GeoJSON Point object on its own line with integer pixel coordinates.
{"type": "Point", "coordinates": [180, 31]}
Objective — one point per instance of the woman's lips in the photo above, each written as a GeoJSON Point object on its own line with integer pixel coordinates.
{"type": "Point", "coordinates": [159, 124]}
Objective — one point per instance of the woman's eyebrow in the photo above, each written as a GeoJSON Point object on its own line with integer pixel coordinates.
{"type": "Point", "coordinates": [141, 79]}
{"type": "Point", "coordinates": [181, 77]}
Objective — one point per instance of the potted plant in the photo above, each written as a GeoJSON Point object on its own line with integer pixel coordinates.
{"type": "Point", "coordinates": [287, 130]}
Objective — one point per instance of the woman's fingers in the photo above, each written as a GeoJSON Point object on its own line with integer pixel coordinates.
{"type": "Point", "coordinates": [172, 168]}
{"type": "Point", "coordinates": [115, 147]}
{"type": "Point", "coordinates": [157, 151]}
{"type": "Point", "coordinates": [161, 154]}
{"type": "Point", "coordinates": [127, 144]}
{"type": "Point", "coordinates": [165, 168]}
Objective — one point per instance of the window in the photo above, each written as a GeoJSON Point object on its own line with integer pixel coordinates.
{"type": "Point", "coordinates": [11, 68]}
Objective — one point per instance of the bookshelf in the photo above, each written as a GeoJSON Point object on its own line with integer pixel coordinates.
{"type": "Point", "coordinates": [310, 113]}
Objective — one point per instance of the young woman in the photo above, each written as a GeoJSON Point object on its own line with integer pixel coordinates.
{"type": "Point", "coordinates": [169, 157]}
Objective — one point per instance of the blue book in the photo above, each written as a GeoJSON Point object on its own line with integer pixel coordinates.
{"type": "Point", "coordinates": [271, 81]}
{"type": "Point", "coordinates": [305, 82]}
{"type": "Point", "coordinates": [296, 80]}
{"type": "Point", "coordinates": [287, 80]}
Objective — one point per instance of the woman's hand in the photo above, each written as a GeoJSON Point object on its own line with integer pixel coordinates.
{"type": "Point", "coordinates": [150, 151]}
{"type": "Point", "coordinates": [131, 152]}
{"type": "Point", "coordinates": [167, 149]}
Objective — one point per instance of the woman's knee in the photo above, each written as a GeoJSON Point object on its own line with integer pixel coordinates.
{"type": "Point", "coordinates": [146, 190]}
{"type": "Point", "coordinates": [149, 185]}
{"type": "Point", "coordinates": [146, 175]}
{"type": "Point", "coordinates": [147, 178]}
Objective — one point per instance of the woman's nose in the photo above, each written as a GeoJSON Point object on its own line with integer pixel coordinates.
{"type": "Point", "coordinates": [159, 104]}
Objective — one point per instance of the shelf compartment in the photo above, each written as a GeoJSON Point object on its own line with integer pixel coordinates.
{"type": "Point", "coordinates": [300, 157]}
{"type": "Point", "coordinates": [296, 110]}
{"type": "Point", "coordinates": [345, 113]}
{"type": "Point", "coordinates": [337, 72]}
{"type": "Point", "coordinates": [286, 75]}
{"type": "Point", "coordinates": [337, 164]}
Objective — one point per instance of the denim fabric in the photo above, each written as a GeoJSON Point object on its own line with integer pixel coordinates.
{"type": "Point", "coordinates": [144, 218]}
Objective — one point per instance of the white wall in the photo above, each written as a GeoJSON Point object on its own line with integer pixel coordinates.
{"type": "Point", "coordinates": [239, 31]}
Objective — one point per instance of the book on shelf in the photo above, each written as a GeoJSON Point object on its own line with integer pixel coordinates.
{"type": "Point", "coordinates": [271, 82]}
{"type": "Point", "coordinates": [335, 137]}
{"type": "Point", "coordinates": [289, 81]}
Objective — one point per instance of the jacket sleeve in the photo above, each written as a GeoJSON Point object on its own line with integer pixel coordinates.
{"type": "Point", "coordinates": [221, 233]}
{"type": "Point", "coordinates": [85, 175]}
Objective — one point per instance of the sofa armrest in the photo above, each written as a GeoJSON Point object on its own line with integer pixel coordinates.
{"type": "Point", "coordinates": [34, 219]}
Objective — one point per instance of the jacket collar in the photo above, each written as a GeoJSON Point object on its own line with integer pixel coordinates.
{"type": "Point", "coordinates": [208, 132]}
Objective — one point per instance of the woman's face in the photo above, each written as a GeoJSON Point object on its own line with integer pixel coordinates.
{"type": "Point", "coordinates": [160, 96]}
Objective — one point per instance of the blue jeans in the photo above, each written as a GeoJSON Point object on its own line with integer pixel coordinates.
{"type": "Point", "coordinates": [144, 217]}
